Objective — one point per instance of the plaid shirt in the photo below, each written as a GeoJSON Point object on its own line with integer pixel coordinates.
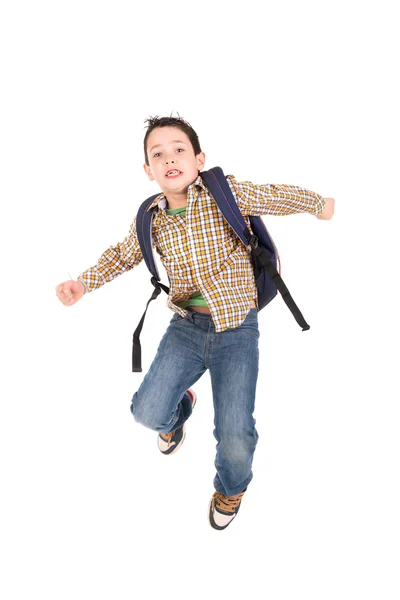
{"type": "Point", "coordinates": [201, 252]}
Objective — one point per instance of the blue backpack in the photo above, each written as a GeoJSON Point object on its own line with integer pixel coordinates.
{"type": "Point", "coordinates": [258, 242]}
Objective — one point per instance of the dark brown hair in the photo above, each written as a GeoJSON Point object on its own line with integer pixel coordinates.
{"type": "Point", "coordinates": [154, 122]}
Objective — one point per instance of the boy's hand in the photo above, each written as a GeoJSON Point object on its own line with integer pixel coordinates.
{"type": "Point", "coordinates": [328, 211]}
{"type": "Point", "coordinates": [70, 292]}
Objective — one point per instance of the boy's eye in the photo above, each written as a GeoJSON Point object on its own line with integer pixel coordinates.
{"type": "Point", "coordinates": [156, 154]}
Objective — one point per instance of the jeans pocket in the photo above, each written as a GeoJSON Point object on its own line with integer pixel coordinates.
{"type": "Point", "coordinates": [177, 318]}
{"type": "Point", "coordinates": [250, 325]}
{"type": "Point", "coordinates": [250, 329]}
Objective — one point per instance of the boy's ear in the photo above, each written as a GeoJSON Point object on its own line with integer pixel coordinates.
{"type": "Point", "coordinates": [148, 172]}
{"type": "Point", "coordinates": [201, 159]}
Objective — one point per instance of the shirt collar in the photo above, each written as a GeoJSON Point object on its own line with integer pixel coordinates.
{"type": "Point", "coordinates": [161, 200]}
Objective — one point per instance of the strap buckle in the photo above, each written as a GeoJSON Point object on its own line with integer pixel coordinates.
{"type": "Point", "coordinates": [253, 243]}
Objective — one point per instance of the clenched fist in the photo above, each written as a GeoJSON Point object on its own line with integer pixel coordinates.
{"type": "Point", "coordinates": [70, 292]}
{"type": "Point", "coordinates": [328, 211]}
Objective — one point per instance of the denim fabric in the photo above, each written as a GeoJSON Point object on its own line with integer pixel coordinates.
{"type": "Point", "coordinates": [188, 348]}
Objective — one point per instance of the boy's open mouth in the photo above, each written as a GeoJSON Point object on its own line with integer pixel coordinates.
{"type": "Point", "coordinates": [173, 173]}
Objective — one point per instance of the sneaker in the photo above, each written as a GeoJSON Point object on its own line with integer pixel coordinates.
{"type": "Point", "coordinates": [223, 509]}
{"type": "Point", "coordinates": [169, 443]}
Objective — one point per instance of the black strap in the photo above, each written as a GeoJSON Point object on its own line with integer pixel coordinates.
{"type": "Point", "coordinates": [136, 348]}
{"type": "Point", "coordinates": [280, 286]}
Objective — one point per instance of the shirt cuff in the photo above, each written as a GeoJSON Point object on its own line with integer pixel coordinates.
{"type": "Point", "coordinates": [320, 205]}
{"type": "Point", "coordinates": [82, 279]}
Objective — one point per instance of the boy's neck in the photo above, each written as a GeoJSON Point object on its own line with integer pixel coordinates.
{"type": "Point", "coordinates": [176, 200]}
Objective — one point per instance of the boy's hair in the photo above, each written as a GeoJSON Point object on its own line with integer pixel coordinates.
{"type": "Point", "coordinates": [154, 122]}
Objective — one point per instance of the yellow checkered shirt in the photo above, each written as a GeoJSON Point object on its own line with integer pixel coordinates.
{"type": "Point", "coordinates": [201, 252]}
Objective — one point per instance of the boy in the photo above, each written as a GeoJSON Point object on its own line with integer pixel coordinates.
{"type": "Point", "coordinates": [214, 299]}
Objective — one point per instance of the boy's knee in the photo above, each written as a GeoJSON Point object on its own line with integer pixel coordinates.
{"type": "Point", "coordinates": [139, 412]}
{"type": "Point", "coordinates": [147, 415]}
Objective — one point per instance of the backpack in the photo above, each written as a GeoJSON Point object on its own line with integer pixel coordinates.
{"type": "Point", "coordinates": [258, 242]}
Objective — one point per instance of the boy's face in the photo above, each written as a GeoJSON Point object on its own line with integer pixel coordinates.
{"type": "Point", "coordinates": [169, 151]}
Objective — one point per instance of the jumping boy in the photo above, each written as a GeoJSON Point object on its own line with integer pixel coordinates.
{"type": "Point", "coordinates": [214, 299]}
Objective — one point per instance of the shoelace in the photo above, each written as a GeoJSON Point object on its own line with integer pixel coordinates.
{"type": "Point", "coordinates": [167, 436]}
{"type": "Point", "coordinates": [227, 503]}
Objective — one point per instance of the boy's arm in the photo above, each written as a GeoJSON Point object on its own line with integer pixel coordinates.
{"type": "Point", "coordinates": [273, 199]}
{"type": "Point", "coordinates": [113, 262]}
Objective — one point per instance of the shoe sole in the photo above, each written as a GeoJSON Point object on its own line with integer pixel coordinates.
{"type": "Point", "coordinates": [194, 398]}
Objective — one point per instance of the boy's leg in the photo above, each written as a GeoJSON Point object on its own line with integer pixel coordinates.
{"type": "Point", "coordinates": [234, 371]}
{"type": "Point", "coordinates": [161, 402]}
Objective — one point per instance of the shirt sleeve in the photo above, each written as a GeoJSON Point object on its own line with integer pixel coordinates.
{"type": "Point", "coordinates": [113, 262]}
{"type": "Point", "coordinates": [270, 199]}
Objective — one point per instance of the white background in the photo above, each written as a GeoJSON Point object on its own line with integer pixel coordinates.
{"type": "Point", "coordinates": [290, 92]}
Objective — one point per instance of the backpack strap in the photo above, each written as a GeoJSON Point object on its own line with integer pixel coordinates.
{"type": "Point", "coordinates": [218, 185]}
{"type": "Point", "coordinates": [144, 220]}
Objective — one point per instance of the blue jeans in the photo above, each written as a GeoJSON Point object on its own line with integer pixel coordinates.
{"type": "Point", "coordinates": [188, 348]}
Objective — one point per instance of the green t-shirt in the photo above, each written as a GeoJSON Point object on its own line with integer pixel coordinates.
{"type": "Point", "coordinates": [197, 299]}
